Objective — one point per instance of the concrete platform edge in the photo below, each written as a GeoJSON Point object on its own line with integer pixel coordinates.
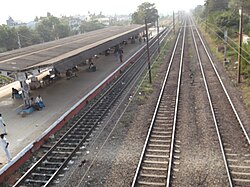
{"type": "Point", "coordinates": [25, 154]}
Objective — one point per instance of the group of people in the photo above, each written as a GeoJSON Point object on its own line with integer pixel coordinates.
{"type": "Point", "coordinates": [71, 72]}
{"type": "Point", "coordinates": [37, 104]}
{"type": "Point", "coordinates": [4, 142]}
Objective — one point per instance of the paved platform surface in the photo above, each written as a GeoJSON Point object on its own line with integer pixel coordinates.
{"type": "Point", "coordinates": [58, 97]}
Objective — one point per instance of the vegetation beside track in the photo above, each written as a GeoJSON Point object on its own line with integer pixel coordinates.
{"type": "Point", "coordinates": [4, 80]}
{"type": "Point", "coordinates": [214, 18]}
{"type": "Point", "coordinates": [146, 89]}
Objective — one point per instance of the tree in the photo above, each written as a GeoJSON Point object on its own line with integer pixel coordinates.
{"type": "Point", "coordinates": [216, 5]}
{"type": "Point", "coordinates": [51, 28]}
{"type": "Point", "coordinates": [27, 36]}
{"type": "Point", "coordinates": [8, 38]}
{"type": "Point", "coordinates": [145, 10]}
{"type": "Point", "coordinates": [90, 26]}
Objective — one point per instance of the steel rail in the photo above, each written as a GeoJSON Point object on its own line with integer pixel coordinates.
{"type": "Point", "coordinates": [165, 34]}
{"type": "Point", "coordinates": [176, 109]}
{"type": "Point", "coordinates": [65, 135]}
{"type": "Point", "coordinates": [44, 157]}
{"type": "Point", "coordinates": [224, 88]}
{"type": "Point", "coordinates": [212, 110]}
{"type": "Point", "coordinates": [73, 126]}
{"type": "Point", "coordinates": [155, 112]}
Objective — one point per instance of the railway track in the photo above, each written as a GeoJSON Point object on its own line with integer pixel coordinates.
{"type": "Point", "coordinates": [159, 152]}
{"type": "Point", "coordinates": [233, 139]}
{"type": "Point", "coordinates": [155, 165]}
{"type": "Point", "coordinates": [44, 171]}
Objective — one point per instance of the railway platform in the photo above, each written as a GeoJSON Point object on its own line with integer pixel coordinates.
{"type": "Point", "coordinates": [60, 97]}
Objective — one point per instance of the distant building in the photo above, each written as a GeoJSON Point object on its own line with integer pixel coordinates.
{"type": "Point", "coordinates": [31, 24]}
{"type": "Point", "coordinates": [245, 39]}
{"type": "Point", "coordinates": [12, 23]}
{"type": "Point", "coordinates": [104, 21]}
{"type": "Point", "coordinates": [74, 22]}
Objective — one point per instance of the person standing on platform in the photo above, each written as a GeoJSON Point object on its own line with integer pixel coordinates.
{"type": "Point", "coordinates": [116, 52]}
{"type": "Point", "coordinates": [2, 126]}
{"type": "Point", "coordinates": [121, 54]}
{"type": "Point", "coordinates": [5, 145]}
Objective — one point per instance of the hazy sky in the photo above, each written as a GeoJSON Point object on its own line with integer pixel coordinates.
{"type": "Point", "coordinates": [27, 10]}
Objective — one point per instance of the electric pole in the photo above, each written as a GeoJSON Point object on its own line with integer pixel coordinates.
{"type": "Point", "coordinates": [225, 47]}
{"type": "Point", "coordinates": [18, 41]}
{"type": "Point", "coordinates": [149, 68]}
{"type": "Point", "coordinates": [240, 45]}
{"type": "Point", "coordinates": [173, 22]}
{"type": "Point", "coordinates": [158, 40]}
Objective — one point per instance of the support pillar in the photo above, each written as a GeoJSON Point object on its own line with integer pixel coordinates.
{"type": "Point", "coordinates": [21, 77]}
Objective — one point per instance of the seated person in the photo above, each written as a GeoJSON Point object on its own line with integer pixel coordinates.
{"type": "Point", "coordinates": [92, 67]}
{"type": "Point", "coordinates": [14, 93]}
{"type": "Point", "coordinates": [39, 101]}
{"type": "Point", "coordinates": [68, 74]}
{"type": "Point", "coordinates": [33, 104]}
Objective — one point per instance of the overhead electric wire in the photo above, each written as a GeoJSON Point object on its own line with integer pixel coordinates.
{"type": "Point", "coordinates": [231, 46]}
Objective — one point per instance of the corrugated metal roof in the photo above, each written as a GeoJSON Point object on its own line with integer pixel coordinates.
{"type": "Point", "coordinates": [66, 50]}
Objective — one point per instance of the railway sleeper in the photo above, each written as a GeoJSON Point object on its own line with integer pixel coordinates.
{"type": "Point", "coordinates": [65, 148]}
{"type": "Point", "coordinates": [41, 182]}
{"type": "Point", "coordinates": [61, 152]}
{"type": "Point", "coordinates": [160, 128]}
{"type": "Point", "coordinates": [158, 145]}
{"type": "Point", "coordinates": [82, 128]}
{"type": "Point", "coordinates": [165, 114]}
{"type": "Point", "coordinates": [154, 165]}
{"type": "Point", "coordinates": [60, 159]}
{"type": "Point", "coordinates": [164, 120]}
{"type": "Point", "coordinates": [241, 176]}
{"type": "Point", "coordinates": [163, 162]}
{"type": "Point", "coordinates": [47, 169]}
{"type": "Point", "coordinates": [158, 150]}
{"type": "Point", "coordinates": [146, 183]}
{"type": "Point", "coordinates": [88, 120]}
{"type": "Point", "coordinates": [152, 178]}
{"type": "Point", "coordinates": [242, 182]}
{"type": "Point", "coordinates": [46, 162]}
{"type": "Point", "coordinates": [160, 141]}
{"type": "Point", "coordinates": [48, 175]}
{"type": "Point", "coordinates": [155, 168]}
{"type": "Point", "coordinates": [156, 160]}
{"type": "Point", "coordinates": [161, 132]}
{"type": "Point", "coordinates": [85, 127]}
{"type": "Point", "coordinates": [155, 176]}
{"type": "Point", "coordinates": [70, 141]}
{"type": "Point", "coordinates": [157, 153]}
{"type": "Point", "coordinates": [76, 135]}
{"type": "Point", "coordinates": [161, 136]}
{"type": "Point", "coordinates": [156, 156]}
{"type": "Point", "coordinates": [238, 168]}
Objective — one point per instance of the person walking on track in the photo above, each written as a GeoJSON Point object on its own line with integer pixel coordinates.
{"type": "Point", "coordinates": [2, 126]}
{"type": "Point", "coordinates": [5, 145]}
